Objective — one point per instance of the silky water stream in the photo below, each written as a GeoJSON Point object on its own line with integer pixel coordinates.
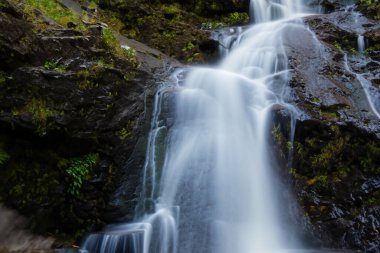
{"type": "Point", "coordinates": [209, 184]}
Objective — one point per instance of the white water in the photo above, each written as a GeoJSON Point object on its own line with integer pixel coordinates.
{"type": "Point", "coordinates": [209, 182]}
{"type": "Point", "coordinates": [372, 94]}
{"type": "Point", "coordinates": [361, 43]}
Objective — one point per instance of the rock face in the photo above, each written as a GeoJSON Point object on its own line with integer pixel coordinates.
{"type": "Point", "coordinates": [74, 119]}
{"type": "Point", "coordinates": [174, 27]}
{"type": "Point", "coordinates": [336, 147]}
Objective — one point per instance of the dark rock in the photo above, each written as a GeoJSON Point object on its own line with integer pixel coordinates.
{"type": "Point", "coordinates": [72, 25]}
{"type": "Point", "coordinates": [64, 98]}
{"type": "Point", "coordinates": [371, 185]}
{"type": "Point", "coordinates": [336, 141]}
{"type": "Point", "coordinates": [176, 31]}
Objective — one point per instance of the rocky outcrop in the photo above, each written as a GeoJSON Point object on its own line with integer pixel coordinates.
{"type": "Point", "coordinates": [178, 28]}
{"type": "Point", "coordinates": [336, 147]}
{"type": "Point", "coordinates": [74, 118]}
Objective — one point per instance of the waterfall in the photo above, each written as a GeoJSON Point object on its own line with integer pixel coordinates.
{"type": "Point", "coordinates": [209, 181]}
{"type": "Point", "coordinates": [361, 43]}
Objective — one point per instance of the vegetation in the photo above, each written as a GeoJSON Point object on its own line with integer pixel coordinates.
{"type": "Point", "coordinates": [335, 155]}
{"type": "Point", "coordinates": [232, 19]}
{"type": "Point", "coordinates": [40, 112]}
{"type": "Point", "coordinates": [113, 44]}
{"type": "Point", "coordinates": [54, 65]}
{"type": "Point", "coordinates": [78, 170]}
{"type": "Point", "coordinates": [372, 8]}
{"type": "Point", "coordinates": [53, 10]}
{"type": "Point", "coordinates": [86, 78]}
{"type": "Point", "coordinates": [123, 134]}
{"type": "Point", "coordinates": [368, 2]}
{"type": "Point", "coordinates": [126, 132]}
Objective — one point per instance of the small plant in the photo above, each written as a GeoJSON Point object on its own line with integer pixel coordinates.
{"type": "Point", "coordinates": [188, 47]}
{"type": "Point", "coordinates": [316, 100]}
{"type": "Point", "coordinates": [368, 2]}
{"type": "Point", "coordinates": [353, 50]}
{"type": "Point", "coordinates": [236, 18]}
{"type": "Point", "coordinates": [114, 47]}
{"type": "Point", "coordinates": [337, 45]}
{"type": "Point", "coordinates": [78, 170]}
{"type": "Point", "coordinates": [123, 134]}
{"type": "Point", "coordinates": [211, 25]}
{"type": "Point", "coordinates": [54, 65]}
{"type": "Point", "coordinates": [300, 150]}
{"type": "Point", "coordinates": [322, 179]}
{"type": "Point", "coordinates": [129, 75]}
{"type": "Point", "coordinates": [172, 8]}
{"type": "Point", "coordinates": [368, 50]}
{"type": "Point", "coordinates": [101, 62]}
{"type": "Point", "coordinates": [169, 34]}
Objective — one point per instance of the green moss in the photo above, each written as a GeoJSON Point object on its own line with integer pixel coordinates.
{"type": "Point", "coordinates": [370, 162]}
{"type": "Point", "coordinates": [54, 65]}
{"type": "Point", "coordinates": [169, 35]}
{"type": "Point", "coordinates": [172, 12]}
{"type": "Point", "coordinates": [123, 134]}
{"type": "Point", "coordinates": [235, 18]}
{"type": "Point", "coordinates": [189, 46]}
{"type": "Point", "coordinates": [322, 179]}
{"type": "Point", "coordinates": [368, 50]}
{"type": "Point", "coordinates": [337, 45]}
{"type": "Point", "coordinates": [171, 8]}
{"type": "Point", "coordinates": [328, 154]}
{"type": "Point", "coordinates": [353, 50]}
{"type": "Point", "coordinates": [336, 153]}
{"type": "Point", "coordinates": [368, 2]}
{"type": "Point", "coordinates": [300, 150]}
{"type": "Point", "coordinates": [40, 112]}
{"type": "Point", "coordinates": [126, 132]}
{"type": "Point", "coordinates": [53, 10]}
{"type": "Point", "coordinates": [211, 25]}
{"type": "Point", "coordinates": [129, 75]}
{"type": "Point", "coordinates": [87, 78]}
{"type": "Point", "coordinates": [277, 135]}
{"type": "Point", "coordinates": [374, 198]}
{"type": "Point", "coordinates": [328, 114]}
{"type": "Point", "coordinates": [114, 47]}
{"type": "Point", "coordinates": [316, 100]}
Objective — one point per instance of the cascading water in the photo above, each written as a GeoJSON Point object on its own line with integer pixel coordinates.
{"type": "Point", "coordinates": [209, 184]}
{"type": "Point", "coordinates": [361, 43]}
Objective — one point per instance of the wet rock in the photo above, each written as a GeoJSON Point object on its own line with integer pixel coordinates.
{"type": "Point", "coordinates": [371, 185]}
{"type": "Point", "coordinates": [66, 99]}
{"type": "Point", "coordinates": [336, 140]}
{"type": "Point", "coordinates": [327, 90]}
